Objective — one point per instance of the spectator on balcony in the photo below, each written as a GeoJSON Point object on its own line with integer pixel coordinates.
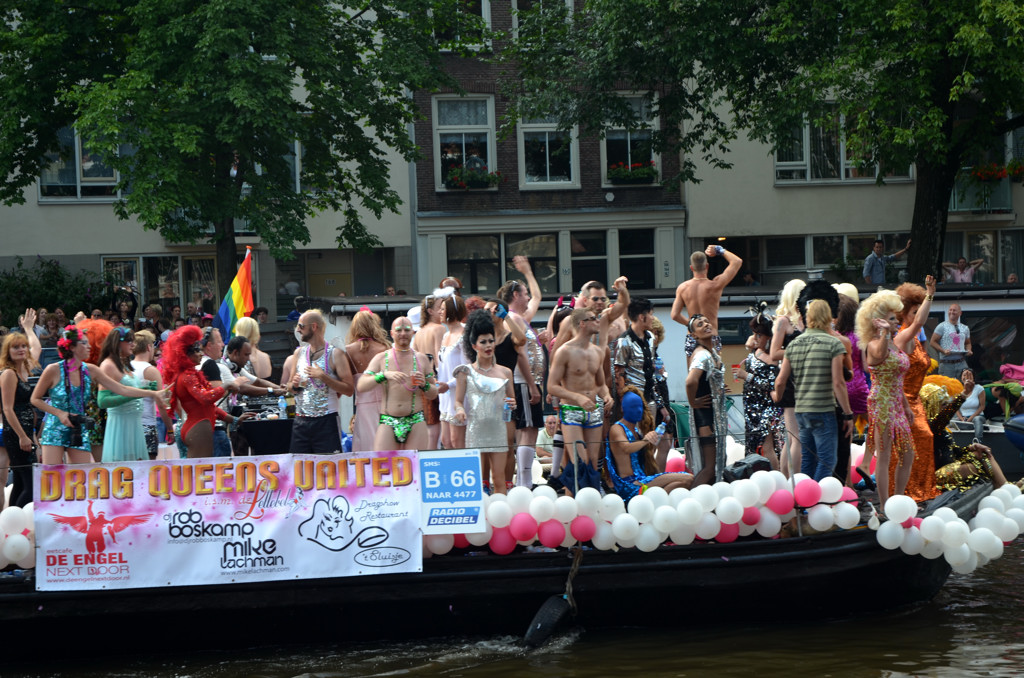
{"type": "Point", "coordinates": [962, 271]}
{"type": "Point", "coordinates": [1012, 279]}
{"type": "Point", "coordinates": [874, 263]}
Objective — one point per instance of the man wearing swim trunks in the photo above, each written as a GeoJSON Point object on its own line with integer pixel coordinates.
{"type": "Point", "coordinates": [322, 372]}
{"type": "Point", "coordinates": [400, 371]}
{"type": "Point", "coordinates": [701, 295]}
{"type": "Point", "coordinates": [577, 380]}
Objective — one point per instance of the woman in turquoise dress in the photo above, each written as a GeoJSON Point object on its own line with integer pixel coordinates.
{"type": "Point", "coordinates": [124, 438]}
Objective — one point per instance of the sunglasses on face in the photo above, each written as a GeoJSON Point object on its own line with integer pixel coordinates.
{"type": "Point", "coordinates": [303, 326]}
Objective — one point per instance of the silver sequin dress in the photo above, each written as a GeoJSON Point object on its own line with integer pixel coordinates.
{"type": "Point", "coordinates": [714, 372]}
{"type": "Point", "coordinates": [484, 402]}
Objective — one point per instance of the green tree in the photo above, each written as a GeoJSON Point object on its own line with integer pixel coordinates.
{"type": "Point", "coordinates": [198, 105]}
{"type": "Point", "coordinates": [917, 82]}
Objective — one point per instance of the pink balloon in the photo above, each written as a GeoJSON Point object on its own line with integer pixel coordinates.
{"type": "Point", "coordinates": [781, 502]}
{"type": "Point", "coordinates": [523, 526]}
{"type": "Point", "coordinates": [807, 493]}
{"type": "Point", "coordinates": [917, 521]}
{"type": "Point", "coordinates": [849, 494]}
{"type": "Point", "coordinates": [461, 542]}
{"type": "Point", "coordinates": [675, 465]}
{"type": "Point", "coordinates": [551, 533]}
{"type": "Point", "coordinates": [909, 522]}
{"type": "Point", "coordinates": [502, 542]}
{"type": "Point", "coordinates": [728, 533]}
{"type": "Point", "coordinates": [583, 528]}
{"type": "Point", "coordinates": [751, 515]}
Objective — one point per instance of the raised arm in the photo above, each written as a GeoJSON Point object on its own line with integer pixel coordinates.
{"type": "Point", "coordinates": [722, 280]}
{"type": "Point", "coordinates": [522, 265]}
{"type": "Point", "coordinates": [621, 304]}
{"type": "Point", "coordinates": [28, 326]}
{"type": "Point", "coordinates": [911, 331]}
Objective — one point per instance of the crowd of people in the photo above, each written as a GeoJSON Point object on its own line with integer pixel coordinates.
{"type": "Point", "coordinates": [587, 394]}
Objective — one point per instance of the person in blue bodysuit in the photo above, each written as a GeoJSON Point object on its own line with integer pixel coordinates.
{"type": "Point", "coordinates": [628, 456]}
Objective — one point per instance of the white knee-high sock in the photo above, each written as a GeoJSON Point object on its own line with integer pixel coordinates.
{"type": "Point", "coordinates": [524, 462]}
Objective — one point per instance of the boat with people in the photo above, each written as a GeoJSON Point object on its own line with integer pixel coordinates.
{"type": "Point", "coordinates": [751, 580]}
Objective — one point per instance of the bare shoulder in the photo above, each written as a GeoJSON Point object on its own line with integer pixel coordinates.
{"type": "Point", "coordinates": [505, 372]}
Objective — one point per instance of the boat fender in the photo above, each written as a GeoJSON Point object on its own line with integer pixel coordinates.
{"type": "Point", "coordinates": [546, 621]}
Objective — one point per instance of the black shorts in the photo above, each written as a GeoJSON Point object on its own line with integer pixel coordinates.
{"type": "Point", "coordinates": [527, 415]}
{"type": "Point", "coordinates": [704, 417]}
{"type": "Point", "coordinates": [316, 435]}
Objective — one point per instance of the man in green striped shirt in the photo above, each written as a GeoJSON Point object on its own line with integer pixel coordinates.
{"type": "Point", "coordinates": [815, 360]}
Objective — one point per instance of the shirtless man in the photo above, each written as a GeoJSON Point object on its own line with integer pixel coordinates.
{"type": "Point", "coordinates": [523, 301]}
{"type": "Point", "coordinates": [400, 370]}
{"type": "Point", "coordinates": [702, 295]}
{"type": "Point", "coordinates": [577, 380]}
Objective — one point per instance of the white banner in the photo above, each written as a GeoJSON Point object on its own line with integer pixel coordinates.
{"type": "Point", "coordinates": [218, 521]}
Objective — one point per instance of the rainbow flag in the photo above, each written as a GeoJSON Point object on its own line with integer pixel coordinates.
{"type": "Point", "coordinates": [238, 301]}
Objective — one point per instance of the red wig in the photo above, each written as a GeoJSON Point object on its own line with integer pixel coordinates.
{"type": "Point", "coordinates": [96, 330]}
{"type": "Point", "coordinates": [911, 295]}
{"type": "Point", "coordinates": [175, 353]}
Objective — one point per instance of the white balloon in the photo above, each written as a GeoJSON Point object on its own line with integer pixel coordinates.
{"type": "Point", "coordinates": [569, 539]}
{"type": "Point", "coordinates": [481, 538]}
{"type": "Point", "coordinates": [499, 514]}
{"type": "Point", "coordinates": [588, 502]}
{"type": "Point", "coordinates": [496, 498]}
{"type": "Point", "coordinates": [690, 510]}
{"type": "Point", "coordinates": [708, 526]}
{"type": "Point", "coordinates": [648, 539]}
{"type": "Point", "coordinates": [1018, 501]}
{"type": "Point", "coordinates": [967, 566]}
{"type": "Point", "coordinates": [30, 515]}
{"type": "Point", "coordinates": [988, 518]}
{"type": "Point", "coordinates": [28, 562]}
{"type": "Point", "coordinates": [1012, 490]}
{"type": "Point", "coordinates": [729, 510]}
{"type": "Point", "coordinates": [542, 509]}
{"type": "Point", "coordinates": [797, 477]}
{"type": "Point", "coordinates": [769, 525]}
{"type": "Point", "coordinates": [983, 560]}
{"type": "Point", "coordinates": [781, 481]}
{"type": "Point", "coordinates": [604, 539]}
{"type": "Point", "coordinates": [831, 489]}
{"type": "Point", "coordinates": [847, 515]}
{"type": "Point", "coordinates": [439, 544]}
{"type": "Point", "coordinates": [899, 507]}
{"type": "Point", "coordinates": [1017, 515]}
{"type": "Point", "coordinates": [657, 495]}
{"type": "Point", "coordinates": [932, 528]}
{"type": "Point", "coordinates": [1009, 530]}
{"type": "Point", "coordinates": [545, 491]}
{"type": "Point", "coordinates": [683, 534]}
{"type": "Point", "coordinates": [747, 492]}
{"type": "Point", "coordinates": [993, 502]}
{"type": "Point", "coordinates": [913, 542]}
{"type": "Point", "coordinates": [611, 506]}
{"type": "Point", "coordinates": [706, 495]}
{"type": "Point", "coordinates": [723, 489]}
{"type": "Point", "coordinates": [890, 535]}
{"type": "Point", "coordinates": [820, 517]}
{"type": "Point", "coordinates": [677, 495]}
{"type": "Point", "coordinates": [641, 508]}
{"type": "Point", "coordinates": [947, 514]}
{"type": "Point", "coordinates": [626, 543]}
{"type": "Point", "coordinates": [666, 519]}
{"type": "Point", "coordinates": [932, 549]}
{"type": "Point", "coordinates": [17, 546]}
{"type": "Point", "coordinates": [566, 509]}
{"type": "Point", "coordinates": [519, 499]}
{"type": "Point", "coordinates": [746, 530]}
{"type": "Point", "coordinates": [625, 526]}
{"type": "Point", "coordinates": [983, 540]}
{"type": "Point", "coordinates": [765, 485]}
{"type": "Point", "coordinates": [957, 555]}
{"type": "Point", "coordinates": [12, 521]}
{"type": "Point", "coordinates": [955, 534]}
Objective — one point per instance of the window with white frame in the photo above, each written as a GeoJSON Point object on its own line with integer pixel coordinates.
{"type": "Point", "coordinates": [630, 148]}
{"type": "Point", "coordinates": [463, 139]}
{"type": "Point", "coordinates": [820, 153]}
{"type": "Point", "coordinates": [462, 25]}
{"type": "Point", "coordinates": [75, 171]}
{"type": "Point", "coordinates": [548, 157]}
{"type": "Point", "coordinates": [521, 7]}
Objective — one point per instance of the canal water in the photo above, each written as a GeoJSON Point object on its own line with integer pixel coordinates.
{"type": "Point", "coordinates": [973, 628]}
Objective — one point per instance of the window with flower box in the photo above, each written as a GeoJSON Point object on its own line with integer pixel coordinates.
{"type": "Point", "coordinates": [464, 143]}
{"type": "Point", "coordinates": [626, 154]}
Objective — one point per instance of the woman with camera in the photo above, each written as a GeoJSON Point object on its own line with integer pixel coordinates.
{"type": "Point", "coordinates": [68, 384]}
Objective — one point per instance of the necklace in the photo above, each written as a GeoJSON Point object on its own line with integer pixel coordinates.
{"type": "Point", "coordinates": [399, 366]}
{"type": "Point", "coordinates": [476, 365]}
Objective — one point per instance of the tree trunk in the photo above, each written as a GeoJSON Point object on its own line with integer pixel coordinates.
{"type": "Point", "coordinates": [227, 264]}
{"type": "Point", "coordinates": [928, 228]}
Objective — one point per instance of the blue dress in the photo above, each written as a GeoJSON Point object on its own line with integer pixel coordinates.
{"type": "Point", "coordinates": [627, 487]}
{"type": "Point", "coordinates": [124, 439]}
{"type": "Point", "coordinates": [70, 398]}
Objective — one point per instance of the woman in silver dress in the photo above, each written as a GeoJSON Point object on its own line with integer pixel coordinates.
{"type": "Point", "coordinates": [705, 391]}
{"type": "Point", "coordinates": [484, 396]}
